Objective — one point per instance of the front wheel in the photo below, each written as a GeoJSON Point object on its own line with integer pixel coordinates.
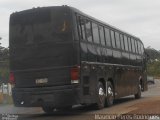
{"type": "Point", "coordinates": [138, 94]}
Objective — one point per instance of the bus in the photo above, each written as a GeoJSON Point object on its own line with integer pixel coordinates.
{"type": "Point", "coordinates": [60, 57]}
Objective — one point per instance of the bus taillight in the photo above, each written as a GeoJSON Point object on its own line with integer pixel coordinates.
{"type": "Point", "coordinates": [12, 78]}
{"type": "Point", "coordinates": [75, 74]}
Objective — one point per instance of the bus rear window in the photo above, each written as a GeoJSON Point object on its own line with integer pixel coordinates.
{"type": "Point", "coordinates": [39, 26]}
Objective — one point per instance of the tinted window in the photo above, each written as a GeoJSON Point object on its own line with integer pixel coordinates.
{"type": "Point", "coordinates": [122, 42]}
{"type": "Point", "coordinates": [79, 27]}
{"type": "Point", "coordinates": [101, 30]}
{"type": "Point", "coordinates": [142, 48]}
{"type": "Point", "coordinates": [117, 40]}
{"type": "Point", "coordinates": [82, 23]}
{"type": "Point", "coordinates": [108, 39]}
{"type": "Point", "coordinates": [129, 44]}
{"type": "Point", "coordinates": [139, 47]}
{"type": "Point", "coordinates": [126, 43]}
{"type": "Point", "coordinates": [95, 33]}
{"type": "Point", "coordinates": [133, 45]}
{"type": "Point", "coordinates": [136, 47]}
{"type": "Point", "coordinates": [88, 30]}
{"type": "Point", "coordinates": [113, 39]}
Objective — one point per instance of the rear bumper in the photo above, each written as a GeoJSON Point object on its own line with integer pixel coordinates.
{"type": "Point", "coordinates": [59, 96]}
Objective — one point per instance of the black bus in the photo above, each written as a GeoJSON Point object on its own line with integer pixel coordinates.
{"type": "Point", "coordinates": [60, 57]}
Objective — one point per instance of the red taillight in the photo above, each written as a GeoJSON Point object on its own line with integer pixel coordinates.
{"type": "Point", "coordinates": [11, 78]}
{"type": "Point", "coordinates": [75, 74]}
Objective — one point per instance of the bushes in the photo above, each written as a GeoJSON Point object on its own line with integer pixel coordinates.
{"type": "Point", "coordinates": [153, 68]}
{"type": "Point", "coordinates": [4, 71]}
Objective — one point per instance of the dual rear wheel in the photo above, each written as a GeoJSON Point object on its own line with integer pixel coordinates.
{"type": "Point", "coordinates": [105, 97]}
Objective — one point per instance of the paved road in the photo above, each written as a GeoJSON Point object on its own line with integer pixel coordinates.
{"type": "Point", "coordinates": [121, 106]}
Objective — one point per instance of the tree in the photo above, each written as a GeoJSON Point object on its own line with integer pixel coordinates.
{"type": "Point", "coordinates": [4, 64]}
{"type": "Point", "coordinates": [153, 68]}
{"type": "Point", "coordinates": [153, 54]}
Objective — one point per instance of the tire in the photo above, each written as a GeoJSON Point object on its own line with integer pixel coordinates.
{"type": "Point", "coordinates": [110, 94]}
{"type": "Point", "coordinates": [48, 109]}
{"type": "Point", "coordinates": [138, 94]}
{"type": "Point", "coordinates": [100, 96]}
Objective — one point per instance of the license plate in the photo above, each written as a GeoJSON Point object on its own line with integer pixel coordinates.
{"type": "Point", "coordinates": [41, 81]}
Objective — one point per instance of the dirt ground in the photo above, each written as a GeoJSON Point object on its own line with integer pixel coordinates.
{"type": "Point", "coordinates": [152, 106]}
{"type": "Point", "coordinates": [148, 109]}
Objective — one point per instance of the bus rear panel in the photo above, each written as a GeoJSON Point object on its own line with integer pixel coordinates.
{"type": "Point", "coordinates": [42, 57]}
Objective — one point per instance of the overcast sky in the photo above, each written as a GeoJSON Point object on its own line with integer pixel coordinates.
{"type": "Point", "coordinates": [138, 17]}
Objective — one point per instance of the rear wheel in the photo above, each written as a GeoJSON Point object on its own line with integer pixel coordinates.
{"type": "Point", "coordinates": [110, 94]}
{"type": "Point", "coordinates": [101, 96]}
{"type": "Point", "coordinates": [138, 94]}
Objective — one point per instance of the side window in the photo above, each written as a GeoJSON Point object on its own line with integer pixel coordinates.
{"type": "Point", "coordinates": [126, 43]}
{"type": "Point", "coordinates": [82, 24]}
{"type": "Point", "coordinates": [101, 30]}
{"type": "Point", "coordinates": [122, 42]}
{"type": "Point", "coordinates": [129, 44]}
{"type": "Point", "coordinates": [133, 45]}
{"type": "Point", "coordinates": [107, 35]}
{"type": "Point", "coordinates": [95, 33]}
{"type": "Point", "coordinates": [113, 39]}
{"type": "Point", "coordinates": [88, 30]}
{"type": "Point", "coordinates": [142, 48]}
{"type": "Point", "coordinates": [136, 46]}
{"type": "Point", "coordinates": [117, 40]}
{"type": "Point", "coordinates": [79, 27]}
{"type": "Point", "coordinates": [139, 47]}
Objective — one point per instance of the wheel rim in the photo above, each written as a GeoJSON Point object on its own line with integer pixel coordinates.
{"type": "Point", "coordinates": [101, 95]}
{"type": "Point", "coordinates": [110, 94]}
{"type": "Point", "coordinates": [101, 91]}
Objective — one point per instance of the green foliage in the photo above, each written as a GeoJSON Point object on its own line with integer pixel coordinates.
{"type": "Point", "coordinates": [153, 68]}
{"type": "Point", "coordinates": [152, 54]}
{"type": "Point", "coordinates": [4, 64]}
{"type": "Point", "coordinates": [4, 71]}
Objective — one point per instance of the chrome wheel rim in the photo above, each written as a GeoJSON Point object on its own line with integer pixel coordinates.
{"type": "Point", "coordinates": [110, 94]}
{"type": "Point", "coordinates": [101, 91]}
{"type": "Point", "coordinates": [101, 95]}
{"type": "Point", "coordinates": [110, 91]}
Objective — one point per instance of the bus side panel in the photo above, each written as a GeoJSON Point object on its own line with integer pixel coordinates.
{"type": "Point", "coordinates": [126, 82]}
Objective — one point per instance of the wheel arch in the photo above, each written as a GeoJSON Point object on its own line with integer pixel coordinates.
{"type": "Point", "coordinates": [102, 80]}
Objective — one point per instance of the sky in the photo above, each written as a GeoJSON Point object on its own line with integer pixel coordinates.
{"type": "Point", "coordinates": [137, 17]}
